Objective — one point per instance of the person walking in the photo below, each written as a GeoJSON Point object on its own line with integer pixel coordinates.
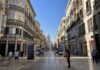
{"type": "Point", "coordinates": [16, 54]}
{"type": "Point", "coordinates": [10, 55]}
{"type": "Point", "coordinates": [94, 56]}
{"type": "Point", "coordinates": [67, 55]}
{"type": "Point", "coordinates": [41, 51]}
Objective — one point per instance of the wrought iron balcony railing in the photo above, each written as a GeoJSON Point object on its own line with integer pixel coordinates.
{"type": "Point", "coordinates": [14, 22]}
{"type": "Point", "coordinates": [15, 7]}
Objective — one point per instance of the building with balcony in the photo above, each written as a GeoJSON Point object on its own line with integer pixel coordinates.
{"type": "Point", "coordinates": [92, 21]}
{"type": "Point", "coordinates": [2, 17]}
{"type": "Point", "coordinates": [40, 38]}
{"type": "Point", "coordinates": [75, 28]}
{"type": "Point", "coordinates": [82, 26]}
{"type": "Point", "coordinates": [20, 28]}
{"type": "Point", "coordinates": [96, 24]}
{"type": "Point", "coordinates": [60, 36]}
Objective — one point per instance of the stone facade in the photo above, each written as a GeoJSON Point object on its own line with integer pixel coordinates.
{"type": "Point", "coordinates": [82, 26]}
{"type": "Point", "coordinates": [19, 28]}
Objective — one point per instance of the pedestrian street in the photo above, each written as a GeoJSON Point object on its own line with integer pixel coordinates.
{"type": "Point", "coordinates": [52, 62]}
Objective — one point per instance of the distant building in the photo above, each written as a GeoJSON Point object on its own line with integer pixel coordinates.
{"type": "Point", "coordinates": [61, 34]}
{"type": "Point", "coordinates": [49, 42]}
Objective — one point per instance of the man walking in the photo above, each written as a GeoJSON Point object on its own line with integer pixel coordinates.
{"type": "Point", "coordinates": [67, 55]}
{"type": "Point", "coordinates": [94, 55]}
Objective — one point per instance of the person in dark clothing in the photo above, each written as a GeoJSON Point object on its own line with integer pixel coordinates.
{"type": "Point", "coordinates": [67, 52]}
{"type": "Point", "coordinates": [94, 56]}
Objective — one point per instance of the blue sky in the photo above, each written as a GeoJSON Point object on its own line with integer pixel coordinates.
{"type": "Point", "coordinates": [49, 14]}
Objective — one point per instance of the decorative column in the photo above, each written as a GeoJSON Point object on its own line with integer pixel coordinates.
{"type": "Point", "coordinates": [88, 50]}
{"type": "Point", "coordinates": [6, 47]}
{"type": "Point", "coordinates": [21, 46]}
{"type": "Point", "coordinates": [15, 43]}
{"type": "Point", "coordinates": [22, 41]}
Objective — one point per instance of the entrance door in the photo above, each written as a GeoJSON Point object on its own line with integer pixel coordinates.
{"type": "Point", "coordinates": [2, 48]}
{"type": "Point", "coordinates": [18, 47]}
{"type": "Point", "coordinates": [11, 47]}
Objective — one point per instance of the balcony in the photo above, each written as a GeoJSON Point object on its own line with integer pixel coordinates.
{"type": "Point", "coordinates": [15, 22]}
{"type": "Point", "coordinates": [96, 4]}
{"type": "Point", "coordinates": [17, 8]}
{"type": "Point", "coordinates": [29, 17]}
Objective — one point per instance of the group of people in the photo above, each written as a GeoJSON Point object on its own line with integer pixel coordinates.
{"type": "Point", "coordinates": [15, 55]}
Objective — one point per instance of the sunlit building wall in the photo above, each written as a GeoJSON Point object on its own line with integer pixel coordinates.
{"type": "Point", "coordinates": [19, 30]}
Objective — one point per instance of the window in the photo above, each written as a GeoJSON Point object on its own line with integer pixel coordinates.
{"type": "Point", "coordinates": [81, 13]}
{"type": "Point", "coordinates": [88, 7]}
{"type": "Point", "coordinates": [96, 1]}
{"type": "Point", "coordinates": [18, 31]}
{"type": "Point", "coordinates": [82, 29]}
{"type": "Point", "coordinates": [79, 3]}
{"type": "Point", "coordinates": [20, 3]}
{"type": "Point", "coordinates": [90, 25]}
{"type": "Point", "coordinates": [19, 16]}
{"type": "Point", "coordinates": [11, 15]}
{"type": "Point", "coordinates": [12, 30]}
{"type": "Point", "coordinates": [11, 2]}
{"type": "Point", "coordinates": [3, 20]}
{"type": "Point", "coordinates": [2, 30]}
{"type": "Point", "coordinates": [6, 30]}
{"type": "Point", "coordinates": [95, 24]}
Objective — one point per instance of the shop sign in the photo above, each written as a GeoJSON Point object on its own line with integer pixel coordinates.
{"type": "Point", "coordinates": [92, 42]}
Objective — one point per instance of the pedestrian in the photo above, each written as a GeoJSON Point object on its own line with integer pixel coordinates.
{"type": "Point", "coordinates": [10, 55]}
{"type": "Point", "coordinates": [67, 55]}
{"type": "Point", "coordinates": [16, 54]}
{"type": "Point", "coordinates": [41, 51]}
{"type": "Point", "coordinates": [94, 56]}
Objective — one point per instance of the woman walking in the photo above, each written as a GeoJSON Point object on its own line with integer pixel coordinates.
{"type": "Point", "coordinates": [67, 55]}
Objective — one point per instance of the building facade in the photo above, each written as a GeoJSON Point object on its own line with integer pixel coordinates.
{"type": "Point", "coordinates": [2, 17]}
{"type": "Point", "coordinates": [92, 20]}
{"type": "Point", "coordinates": [60, 36]}
{"type": "Point", "coordinates": [20, 27]}
{"type": "Point", "coordinates": [82, 26]}
{"type": "Point", "coordinates": [75, 28]}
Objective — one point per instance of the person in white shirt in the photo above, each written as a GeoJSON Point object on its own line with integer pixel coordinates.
{"type": "Point", "coordinates": [16, 54]}
{"type": "Point", "coordinates": [10, 55]}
